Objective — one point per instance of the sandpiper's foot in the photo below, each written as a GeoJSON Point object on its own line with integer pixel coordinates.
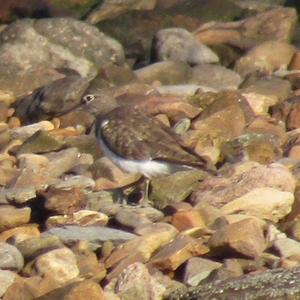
{"type": "Point", "coordinates": [134, 195]}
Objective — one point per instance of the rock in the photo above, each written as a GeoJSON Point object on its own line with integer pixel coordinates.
{"type": "Point", "coordinates": [139, 249]}
{"type": "Point", "coordinates": [7, 278]}
{"type": "Point", "coordinates": [215, 77]}
{"type": "Point", "coordinates": [265, 125]}
{"type": "Point", "coordinates": [231, 268]}
{"type": "Point", "coordinates": [85, 144]}
{"type": "Point", "coordinates": [263, 148]}
{"type": "Point", "coordinates": [10, 258]}
{"type": "Point", "coordinates": [80, 290]}
{"type": "Point", "coordinates": [244, 237]}
{"type": "Point", "coordinates": [265, 92]}
{"type": "Point", "coordinates": [110, 9]}
{"type": "Point", "coordinates": [12, 217]}
{"type": "Point", "coordinates": [20, 233]}
{"type": "Point", "coordinates": [135, 217]}
{"type": "Point", "coordinates": [288, 112]}
{"type": "Point", "coordinates": [75, 181]}
{"type": "Point", "coordinates": [25, 132]}
{"type": "Point", "coordinates": [287, 247]}
{"type": "Point", "coordinates": [251, 31]}
{"type": "Point", "coordinates": [187, 219]}
{"type": "Point", "coordinates": [197, 269]}
{"type": "Point", "coordinates": [175, 107]}
{"type": "Point", "coordinates": [33, 177]}
{"type": "Point", "coordinates": [135, 282]}
{"type": "Point", "coordinates": [58, 264]}
{"type": "Point", "coordinates": [174, 188]}
{"type": "Point", "coordinates": [263, 58]}
{"type": "Point", "coordinates": [266, 203]}
{"type": "Point", "coordinates": [219, 191]}
{"type": "Point", "coordinates": [223, 119]}
{"type": "Point", "coordinates": [82, 217]}
{"type": "Point", "coordinates": [55, 48]}
{"type": "Point", "coordinates": [95, 235]}
{"type": "Point", "coordinates": [172, 255]}
{"type": "Point", "coordinates": [208, 213]}
{"type": "Point", "coordinates": [87, 262]}
{"type": "Point", "coordinates": [34, 246]}
{"type": "Point", "coordinates": [40, 142]}
{"type": "Point", "coordinates": [166, 72]}
{"type": "Point", "coordinates": [155, 228]}
{"type": "Point", "coordinates": [62, 161]}
{"type": "Point", "coordinates": [179, 44]}
{"type": "Point", "coordinates": [64, 201]}
{"type": "Point", "coordinates": [183, 89]}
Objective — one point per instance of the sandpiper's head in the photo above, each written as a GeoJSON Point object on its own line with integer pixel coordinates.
{"type": "Point", "coordinates": [97, 103]}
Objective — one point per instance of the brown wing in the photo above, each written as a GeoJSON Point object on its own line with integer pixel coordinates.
{"type": "Point", "coordinates": [134, 135]}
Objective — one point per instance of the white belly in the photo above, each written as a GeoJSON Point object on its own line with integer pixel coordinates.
{"type": "Point", "coordinates": [149, 168]}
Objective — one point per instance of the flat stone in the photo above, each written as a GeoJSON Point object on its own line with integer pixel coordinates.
{"type": "Point", "coordinates": [216, 77]}
{"type": "Point", "coordinates": [10, 258]}
{"type": "Point", "coordinates": [172, 255]}
{"type": "Point", "coordinates": [95, 235]}
{"type": "Point", "coordinates": [135, 217]}
{"type": "Point", "coordinates": [244, 237]}
{"type": "Point", "coordinates": [166, 72]}
{"type": "Point", "coordinates": [27, 131]}
{"type": "Point", "coordinates": [12, 216]}
{"type": "Point", "coordinates": [197, 269]}
{"type": "Point", "coordinates": [59, 264]}
{"type": "Point", "coordinates": [266, 203]}
{"type": "Point", "coordinates": [41, 142]}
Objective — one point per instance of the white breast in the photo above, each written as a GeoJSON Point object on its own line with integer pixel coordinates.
{"type": "Point", "coordinates": [148, 168]}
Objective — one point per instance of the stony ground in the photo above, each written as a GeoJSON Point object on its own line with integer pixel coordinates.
{"type": "Point", "coordinates": [229, 89]}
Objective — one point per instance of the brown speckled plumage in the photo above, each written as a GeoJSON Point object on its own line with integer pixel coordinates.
{"type": "Point", "coordinates": [133, 135]}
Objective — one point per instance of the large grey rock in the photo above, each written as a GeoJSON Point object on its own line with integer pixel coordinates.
{"type": "Point", "coordinates": [31, 49]}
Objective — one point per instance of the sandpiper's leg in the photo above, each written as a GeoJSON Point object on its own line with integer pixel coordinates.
{"type": "Point", "coordinates": [144, 202]}
{"type": "Point", "coordinates": [119, 196]}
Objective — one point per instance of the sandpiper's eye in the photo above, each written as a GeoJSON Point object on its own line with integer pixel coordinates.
{"type": "Point", "coordinates": [88, 98]}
